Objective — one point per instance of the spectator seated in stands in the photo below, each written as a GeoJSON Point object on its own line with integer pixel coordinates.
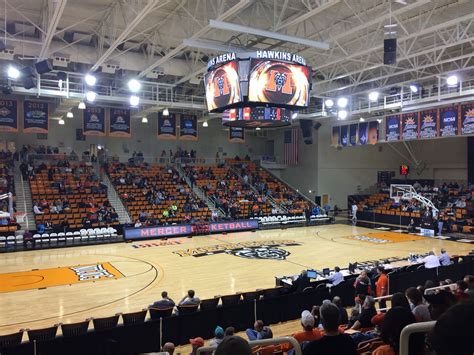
{"type": "Point", "coordinates": [189, 299]}
{"type": "Point", "coordinates": [37, 209]}
{"type": "Point", "coordinates": [439, 303]}
{"type": "Point", "coordinates": [343, 319]}
{"type": "Point", "coordinates": [469, 280]}
{"type": "Point", "coordinates": [165, 301]}
{"type": "Point", "coordinates": [333, 342]}
{"type": "Point", "coordinates": [218, 337]}
{"type": "Point", "coordinates": [444, 258]}
{"type": "Point", "coordinates": [260, 331]}
{"type": "Point", "coordinates": [336, 278]}
{"type": "Point", "coordinates": [459, 290]}
{"type": "Point", "coordinates": [365, 318]}
{"type": "Point", "coordinates": [309, 332]}
{"type": "Point", "coordinates": [394, 321]}
{"type": "Point", "coordinates": [431, 261]}
{"type": "Point", "coordinates": [196, 343]}
{"type": "Point", "coordinates": [168, 348]}
{"type": "Point", "coordinates": [420, 310]}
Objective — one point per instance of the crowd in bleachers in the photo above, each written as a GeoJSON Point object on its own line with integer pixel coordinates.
{"type": "Point", "coordinates": [68, 196]}
{"type": "Point", "coordinates": [156, 194]}
{"type": "Point", "coordinates": [7, 184]}
{"type": "Point", "coordinates": [454, 202]}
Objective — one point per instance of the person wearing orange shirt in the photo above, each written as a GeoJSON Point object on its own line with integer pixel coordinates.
{"type": "Point", "coordinates": [308, 333]}
{"type": "Point", "coordinates": [381, 285]}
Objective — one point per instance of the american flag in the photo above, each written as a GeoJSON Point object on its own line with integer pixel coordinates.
{"type": "Point", "coordinates": [291, 146]}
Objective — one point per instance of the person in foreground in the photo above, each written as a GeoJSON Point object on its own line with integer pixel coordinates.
{"type": "Point", "coordinates": [233, 345]}
{"type": "Point", "coordinates": [333, 342]}
{"type": "Point", "coordinates": [308, 333]}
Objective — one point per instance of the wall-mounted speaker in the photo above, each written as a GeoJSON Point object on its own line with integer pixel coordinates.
{"type": "Point", "coordinates": [317, 125]}
{"type": "Point", "coordinates": [43, 67]}
{"type": "Point", "coordinates": [306, 131]}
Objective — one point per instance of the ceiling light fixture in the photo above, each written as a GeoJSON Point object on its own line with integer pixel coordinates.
{"type": "Point", "coordinates": [166, 112]}
{"type": "Point", "coordinates": [452, 80]}
{"type": "Point", "coordinates": [90, 96]}
{"type": "Point", "coordinates": [373, 96]}
{"type": "Point", "coordinates": [70, 115]}
{"type": "Point", "coordinates": [144, 119]}
{"type": "Point", "coordinates": [342, 114]}
{"type": "Point", "coordinates": [329, 103]}
{"type": "Point", "coordinates": [414, 88]}
{"type": "Point", "coordinates": [81, 106]}
{"type": "Point", "coordinates": [342, 102]}
{"type": "Point", "coordinates": [90, 79]}
{"type": "Point", "coordinates": [134, 85]}
{"type": "Point", "coordinates": [13, 73]}
{"type": "Point", "coordinates": [61, 122]}
{"type": "Point", "coordinates": [134, 100]}
{"type": "Point", "coordinates": [205, 124]}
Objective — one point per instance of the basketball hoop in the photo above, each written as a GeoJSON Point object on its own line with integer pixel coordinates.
{"type": "Point", "coordinates": [396, 199]}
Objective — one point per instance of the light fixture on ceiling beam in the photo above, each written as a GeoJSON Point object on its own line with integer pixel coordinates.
{"type": "Point", "coordinates": [212, 45]}
{"type": "Point", "coordinates": [81, 106]}
{"type": "Point", "coordinates": [70, 115]}
{"type": "Point", "coordinates": [227, 26]}
{"type": "Point", "coordinates": [144, 119]}
{"type": "Point", "coordinates": [166, 112]}
{"type": "Point", "coordinates": [205, 124]}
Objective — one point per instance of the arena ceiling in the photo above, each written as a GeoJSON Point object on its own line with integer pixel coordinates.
{"type": "Point", "coordinates": [166, 43]}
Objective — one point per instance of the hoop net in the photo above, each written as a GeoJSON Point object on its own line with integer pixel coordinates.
{"type": "Point", "coordinates": [19, 216]}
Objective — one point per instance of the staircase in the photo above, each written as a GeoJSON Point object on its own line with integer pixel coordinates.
{"type": "Point", "coordinates": [115, 201]}
{"type": "Point", "coordinates": [23, 200]}
{"type": "Point", "coordinates": [274, 204]}
{"type": "Point", "coordinates": [199, 192]}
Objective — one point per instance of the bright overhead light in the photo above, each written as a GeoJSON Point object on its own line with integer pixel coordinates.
{"type": "Point", "coordinates": [90, 96]}
{"type": "Point", "coordinates": [294, 115]}
{"type": "Point", "coordinates": [61, 121]}
{"type": "Point", "coordinates": [362, 119]}
{"type": "Point", "coordinates": [379, 120]}
{"type": "Point", "coordinates": [342, 102]}
{"type": "Point", "coordinates": [144, 119]}
{"type": "Point", "coordinates": [13, 73]}
{"type": "Point", "coordinates": [205, 124]}
{"type": "Point", "coordinates": [70, 115]}
{"type": "Point", "coordinates": [342, 114]}
{"type": "Point", "coordinates": [81, 106]}
{"type": "Point", "coordinates": [90, 79]}
{"type": "Point", "coordinates": [414, 88]}
{"type": "Point", "coordinates": [373, 96]}
{"type": "Point", "coordinates": [258, 129]}
{"type": "Point", "coordinates": [329, 103]}
{"type": "Point", "coordinates": [452, 80]}
{"type": "Point", "coordinates": [134, 85]}
{"type": "Point", "coordinates": [134, 100]}
{"type": "Point", "coordinates": [390, 25]}
{"type": "Point", "coordinates": [166, 112]}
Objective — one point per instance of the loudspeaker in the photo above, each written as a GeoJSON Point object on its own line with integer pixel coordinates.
{"type": "Point", "coordinates": [2, 46]}
{"type": "Point", "coordinates": [317, 125]}
{"type": "Point", "coordinates": [306, 131]}
{"type": "Point", "coordinates": [29, 82]}
{"type": "Point", "coordinates": [390, 51]}
{"type": "Point", "coordinates": [43, 67]}
{"type": "Point", "coordinates": [61, 76]}
{"type": "Point", "coordinates": [27, 72]}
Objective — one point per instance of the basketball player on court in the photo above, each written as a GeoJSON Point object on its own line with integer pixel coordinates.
{"type": "Point", "coordinates": [354, 213]}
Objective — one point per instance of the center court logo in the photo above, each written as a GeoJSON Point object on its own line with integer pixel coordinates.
{"type": "Point", "coordinates": [264, 250]}
{"type": "Point", "coordinates": [365, 238]}
{"type": "Point", "coordinates": [91, 272]}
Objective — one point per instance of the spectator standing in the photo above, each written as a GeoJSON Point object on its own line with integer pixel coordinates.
{"type": "Point", "coordinates": [381, 286]}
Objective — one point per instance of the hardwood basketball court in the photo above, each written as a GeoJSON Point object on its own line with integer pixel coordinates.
{"type": "Point", "coordinates": [43, 287]}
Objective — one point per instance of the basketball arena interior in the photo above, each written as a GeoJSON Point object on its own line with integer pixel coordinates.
{"type": "Point", "coordinates": [237, 177]}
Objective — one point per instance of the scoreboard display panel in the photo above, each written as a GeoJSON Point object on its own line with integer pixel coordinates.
{"type": "Point", "coordinates": [223, 86]}
{"type": "Point", "coordinates": [279, 83]}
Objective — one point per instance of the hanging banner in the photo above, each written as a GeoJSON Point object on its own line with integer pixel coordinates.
{"type": "Point", "coordinates": [236, 134]}
{"type": "Point", "coordinates": [363, 133]}
{"type": "Point", "coordinates": [392, 128]}
{"type": "Point", "coordinates": [373, 132]}
{"type": "Point", "coordinates": [8, 116]}
{"type": "Point", "coordinates": [429, 123]}
{"type": "Point", "coordinates": [467, 118]}
{"type": "Point", "coordinates": [448, 121]}
{"type": "Point", "coordinates": [353, 134]}
{"type": "Point", "coordinates": [410, 126]}
{"type": "Point", "coordinates": [166, 126]}
{"type": "Point", "coordinates": [119, 122]}
{"type": "Point", "coordinates": [335, 138]}
{"type": "Point", "coordinates": [188, 128]}
{"type": "Point", "coordinates": [93, 121]}
{"type": "Point", "coordinates": [344, 130]}
{"type": "Point", "coordinates": [35, 117]}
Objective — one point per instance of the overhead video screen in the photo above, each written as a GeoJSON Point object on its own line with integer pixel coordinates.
{"type": "Point", "coordinates": [223, 86]}
{"type": "Point", "coordinates": [279, 83]}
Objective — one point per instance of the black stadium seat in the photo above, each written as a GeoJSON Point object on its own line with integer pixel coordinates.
{"type": "Point", "coordinates": [10, 340]}
{"type": "Point", "coordinates": [209, 304]}
{"type": "Point", "coordinates": [44, 334]}
{"type": "Point", "coordinates": [105, 323]}
{"type": "Point", "coordinates": [157, 313]}
{"type": "Point", "coordinates": [186, 309]}
{"type": "Point", "coordinates": [134, 317]}
{"type": "Point", "coordinates": [229, 300]}
{"type": "Point", "coordinates": [75, 329]}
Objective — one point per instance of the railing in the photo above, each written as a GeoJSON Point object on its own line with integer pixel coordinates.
{"type": "Point", "coordinates": [439, 287]}
{"type": "Point", "coordinates": [58, 157]}
{"type": "Point", "coordinates": [411, 329]}
{"type": "Point", "coordinates": [262, 342]}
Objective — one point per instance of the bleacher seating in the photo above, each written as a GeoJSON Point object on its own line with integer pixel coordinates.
{"type": "Point", "coordinates": [79, 193]}
{"type": "Point", "coordinates": [7, 184]}
{"type": "Point", "coordinates": [154, 189]}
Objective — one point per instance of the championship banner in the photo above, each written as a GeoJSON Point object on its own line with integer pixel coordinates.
{"type": "Point", "coordinates": [166, 126]}
{"type": "Point", "coordinates": [353, 134]}
{"type": "Point", "coordinates": [35, 117]}
{"type": "Point", "coordinates": [119, 122]}
{"type": "Point", "coordinates": [93, 121]}
{"type": "Point", "coordinates": [363, 133]}
{"type": "Point", "coordinates": [392, 128]}
{"type": "Point", "coordinates": [467, 118]}
{"type": "Point", "coordinates": [429, 123]}
{"type": "Point", "coordinates": [335, 141]}
{"type": "Point", "coordinates": [344, 135]}
{"type": "Point", "coordinates": [188, 128]}
{"type": "Point", "coordinates": [236, 134]}
{"type": "Point", "coordinates": [410, 126]}
{"type": "Point", "coordinates": [373, 132]}
{"type": "Point", "coordinates": [448, 121]}
{"type": "Point", "coordinates": [8, 116]}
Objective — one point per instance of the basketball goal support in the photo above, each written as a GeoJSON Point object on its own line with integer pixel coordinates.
{"type": "Point", "coordinates": [408, 192]}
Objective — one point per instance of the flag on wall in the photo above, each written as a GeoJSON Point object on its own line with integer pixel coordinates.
{"type": "Point", "coordinates": [119, 122]}
{"type": "Point", "coordinates": [290, 143]}
{"type": "Point", "coordinates": [8, 116]}
{"type": "Point", "coordinates": [35, 117]}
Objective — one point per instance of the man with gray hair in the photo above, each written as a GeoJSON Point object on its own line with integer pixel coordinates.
{"type": "Point", "coordinates": [333, 342]}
